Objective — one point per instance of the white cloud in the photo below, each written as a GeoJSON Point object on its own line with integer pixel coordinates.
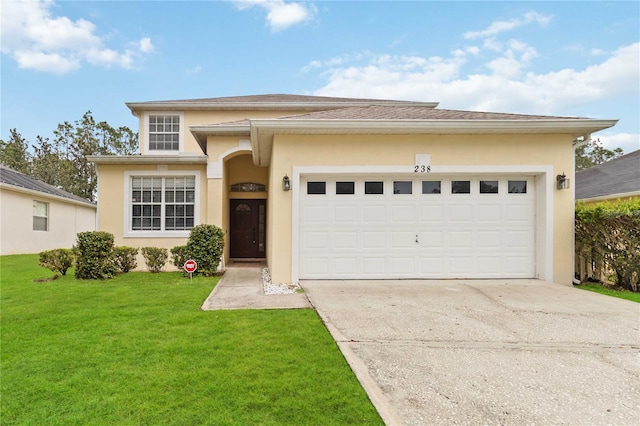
{"type": "Point", "coordinates": [629, 142]}
{"type": "Point", "coordinates": [280, 14]}
{"type": "Point", "coordinates": [37, 40]}
{"type": "Point", "coordinates": [508, 84]}
{"type": "Point", "coordinates": [498, 27]}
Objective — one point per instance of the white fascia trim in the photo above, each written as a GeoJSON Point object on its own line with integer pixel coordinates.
{"type": "Point", "coordinates": [611, 197]}
{"type": "Point", "coordinates": [544, 203]}
{"type": "Point", "coordinates": [39, 194]}
{"type": "Point", "coordinates": [567, 125]}
{"type": "Point", "coordinates": [145, 143]}
{"type": "Point", "coordinates": [305, 106]}
{"type": "Point", "coordinates": [215, 169]}
{"type": "Point", "coordinates": [148, 159]}
{"type": "Point", "coordinates": [128, 233]}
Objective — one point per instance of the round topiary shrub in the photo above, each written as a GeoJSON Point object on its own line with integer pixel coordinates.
{"type": "Point", "coordinates": [95, 255]}
{"type": "Point", "coordinates": [205, 246]}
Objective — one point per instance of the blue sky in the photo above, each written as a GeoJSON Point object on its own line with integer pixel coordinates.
{"type": "Point", "coordinates": [62, 58]}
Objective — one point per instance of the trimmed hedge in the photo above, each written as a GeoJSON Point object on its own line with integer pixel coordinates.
{"type": "Point", "coordinates": [95, 255]}
{"type": "Point", "coordinates": [57, 260]}
{"type": "Point", "coordinates": [155, 258]}
{"type": "Point", "coordinates": [608, 238]}
{"type": "Point", "coordinates": [126, 258]}
{"type": "Point", "coordinates": [205, 246]}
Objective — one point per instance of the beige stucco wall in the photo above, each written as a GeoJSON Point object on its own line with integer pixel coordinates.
{"type": "Point", "coordinates": [66, 219]}
{"type": "Point", "coordinates": [196, 118]}
{"type": "Point", "coordinates": [289, 151]}
{"type": "Point", "coordinates": [112, 205]}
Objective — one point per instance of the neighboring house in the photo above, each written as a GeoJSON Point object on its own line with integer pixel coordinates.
{"type": "Point", "coordinates": [616, 179]}
{"type": "Point", "coordinates": [338, 188]}
{"type": "Point", "coordinates": [36, 216]}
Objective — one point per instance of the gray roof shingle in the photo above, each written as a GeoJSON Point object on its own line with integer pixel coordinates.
{"type": "Point", "coordinates": [383, 112]}
{"type": "Point", "coordinates": [282, 98]}
{"type": "Point", "coordinates": [617, 176]}
{"type": "Point", "coordinates": [11, 177]}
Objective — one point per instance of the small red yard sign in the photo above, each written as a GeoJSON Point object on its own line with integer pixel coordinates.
{"type": "Point", "coordinates": [190, 266]}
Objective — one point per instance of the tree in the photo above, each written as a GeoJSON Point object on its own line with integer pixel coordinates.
{"type": "Point", "coordinates": [14, 153]}
{"type": "Point", "coordinates": [63, 162]}
{"type": "Point", "coordinates": [593, 153]}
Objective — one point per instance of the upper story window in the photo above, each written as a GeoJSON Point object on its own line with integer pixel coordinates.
{"type": "Point", "coordinates": [164, 132]}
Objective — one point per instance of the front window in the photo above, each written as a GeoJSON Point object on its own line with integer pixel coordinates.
{"type": "Point", "coordinates": [164, 132]}
{"type": "Point", "coordinates": [40, 216]}
{"type": "Point", "coordinates": [162, 203]}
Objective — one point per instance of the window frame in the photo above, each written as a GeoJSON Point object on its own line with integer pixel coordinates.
{"type": "Point", "coordinates": [46, 218]}
{"type": "Point", "coordinates": [147, 143]}
{"type": "Point", "coordinates": [129, 232]}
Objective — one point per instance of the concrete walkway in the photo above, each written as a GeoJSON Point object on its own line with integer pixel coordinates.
{"type": "Point", "coordinates": [241, 287]}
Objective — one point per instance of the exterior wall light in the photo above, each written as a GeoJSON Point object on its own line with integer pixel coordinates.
{"type": "Point", "coordinates": [286, 183]}
{"type": "Point", "coordinates": [562, 181]}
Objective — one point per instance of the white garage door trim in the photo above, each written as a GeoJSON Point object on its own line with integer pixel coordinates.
{"type": "Point", "coordinates": [544, 185]}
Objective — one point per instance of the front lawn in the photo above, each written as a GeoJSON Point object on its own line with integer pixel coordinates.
{"type": "Point", "coordinates": [137, 350]}
{"type": "Point", "coordinates": [622, 294]}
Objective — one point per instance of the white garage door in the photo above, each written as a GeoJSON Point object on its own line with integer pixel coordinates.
{"type": "Point", "coordinates": [394, 227]}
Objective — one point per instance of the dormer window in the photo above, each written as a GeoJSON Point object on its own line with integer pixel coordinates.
{"type": "Point", "coordinates": [164, 132]}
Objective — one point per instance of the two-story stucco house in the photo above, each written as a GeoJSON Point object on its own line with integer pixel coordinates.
{"type": "Point", "coordinates": [337, 188]}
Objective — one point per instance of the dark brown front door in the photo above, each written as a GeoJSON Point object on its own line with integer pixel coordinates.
{"type": "Point", "coordinates": [248, 222]}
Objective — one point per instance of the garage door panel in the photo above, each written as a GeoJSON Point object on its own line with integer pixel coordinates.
{"type": "Point", "coordinates": [460, 239]}
{"type": "Point", "coordinates": [346, 215]}
{"type": "Point", "coordinates": [316, 266]}
{"type": "Point", "coordinates": [373, 236]}
{"type": "Point", "coordinates": [431, 214]}
{"type": "Point", "coordinates": [462, 213]}
{"type": "Point", "coordinates": [402, 240]}
{"type": "Point", "coordinates": [374, 240]}
{"type": "Point", "coordinates": [402, 266]}
{"type": "Point", "coordinates": [346, 240]}
{"type": "Point", "coordinates": [519, 239]}
{"type": "Point", "coordinates": [460, 266]}
{"type": "Point", "coordinates": [489, 214]}
{"type": "Point", "coordinates": [376, 214]}
{"type": "Point", "coordinates": [431, 266]}
{"type": "Point", "coordinates": [403, 214]}
{"type": "Point", "coordinates": [346, 266]}
{"type": "Point", "coordinates": [316, 240]}
{"type": "Point", "coordinates": [374, 267]}
{"type": "Point", "coordinates": [431, 239]}
{"type": "Point", "coordinates": [316, 215]}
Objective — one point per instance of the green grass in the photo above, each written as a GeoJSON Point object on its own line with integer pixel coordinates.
{"type": "Point", "coordinates": [622, 294]}
{"type": "Point", "coordinates": [137, 350]}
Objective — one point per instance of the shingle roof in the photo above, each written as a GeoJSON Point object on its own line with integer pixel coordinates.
{"type": "Point", "coordinates": [282, 98]}
{"type": "Point", "coordinates": [382, 112]}
{"type": "Point", "coordinates": [11, 177]}
{"type": "Point", "coordinates": [618, 176]}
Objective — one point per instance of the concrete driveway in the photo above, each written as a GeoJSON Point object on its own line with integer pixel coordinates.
{"type": "Point", "coordinates": [491, 352]}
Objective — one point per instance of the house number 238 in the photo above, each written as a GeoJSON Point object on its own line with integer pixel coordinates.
{"type": "Point", "coordinates": [421, 169]}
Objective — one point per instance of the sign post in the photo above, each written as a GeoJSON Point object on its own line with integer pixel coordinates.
{"type": "Point", "coordinates": [190, 266]}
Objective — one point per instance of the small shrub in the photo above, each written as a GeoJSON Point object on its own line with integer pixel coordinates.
{"type": "Point", "coordinates": [126, 258]}
{"type": "Point", "coordinates": [57, 260]}
{"type": "Point", "coordinates": [95, 255]}
{"type": "Point", "coordinates": [155, 258]}
{"type": "Point", "coordinates": [205, 246]}
{"type": "Point", "coordinates": [179, 255]}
